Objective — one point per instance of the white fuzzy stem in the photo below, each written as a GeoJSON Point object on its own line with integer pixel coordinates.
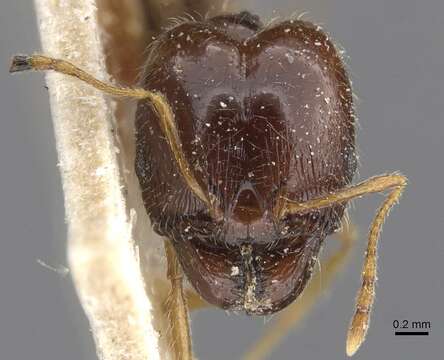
{"type": "Point", "coordinates": [101, 251]}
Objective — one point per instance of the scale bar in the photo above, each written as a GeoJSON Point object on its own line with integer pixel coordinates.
{"type": "Point", "coordinates": [412, 333]}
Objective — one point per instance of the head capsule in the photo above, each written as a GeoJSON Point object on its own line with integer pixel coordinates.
{"type": "Point", "coordinates": [262, 113]}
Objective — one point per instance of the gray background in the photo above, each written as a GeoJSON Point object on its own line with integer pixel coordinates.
{"type": "Point", "coordinates": [395, 51]}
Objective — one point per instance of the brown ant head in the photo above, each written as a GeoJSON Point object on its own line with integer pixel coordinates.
{"type": "Point", "coordinates": [262, 114]}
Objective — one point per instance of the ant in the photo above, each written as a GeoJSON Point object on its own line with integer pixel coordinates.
{"type": "Point", "coordinates": [245, 155]}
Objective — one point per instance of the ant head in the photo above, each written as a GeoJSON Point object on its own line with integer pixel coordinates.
{"type": "Point", "coordinates": [261, 114]}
